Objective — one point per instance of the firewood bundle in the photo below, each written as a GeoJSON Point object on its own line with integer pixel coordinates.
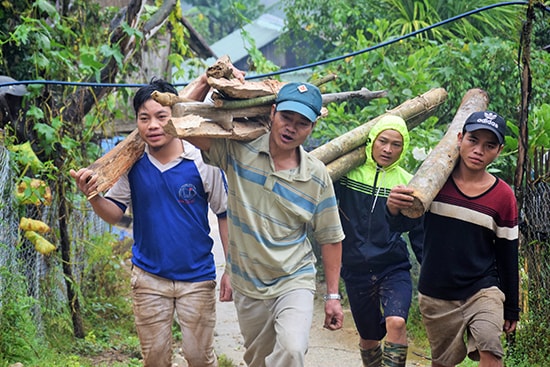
{"type": "Point", "coordinates": [238, 109]}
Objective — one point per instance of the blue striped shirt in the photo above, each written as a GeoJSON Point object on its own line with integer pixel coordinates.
{"type": "Point", "coordinates": [270, 215]}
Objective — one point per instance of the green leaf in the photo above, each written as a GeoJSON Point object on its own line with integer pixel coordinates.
{"type": "Point", "coordinates": [89, 60]}
{"type": "Point", "coordinates": [36, 113]}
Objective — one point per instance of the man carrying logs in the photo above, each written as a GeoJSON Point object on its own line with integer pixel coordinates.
{"type": "Point", "coordinates": [276, 191]}
{"type": "Point", "coordinates": [469, 277]}
{"type": "Point", "coordinates": [170, 190]}
{"type": "Point", "coordinates": [375, 260]}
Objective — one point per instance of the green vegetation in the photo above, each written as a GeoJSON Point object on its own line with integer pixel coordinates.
{"type": "Point", "coordinates": [79, 312]}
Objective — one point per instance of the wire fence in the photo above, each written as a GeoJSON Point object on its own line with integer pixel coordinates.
{"type": "Point", "coordinates": [42, 275]}
{"type": "Point", "coordinates": [535, 253]}
{"type": "Point", "coordinates": [8, 224]}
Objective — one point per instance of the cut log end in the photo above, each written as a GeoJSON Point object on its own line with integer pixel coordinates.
{"type": "Point", "coordinates": [168, 99]}
{"type": "Point", "coordinates": [416, 210]}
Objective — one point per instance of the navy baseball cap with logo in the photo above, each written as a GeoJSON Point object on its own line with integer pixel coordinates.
{"type": "Point", "coordinates": [488, 120]}
{"type": "Point", "coordinates": [303, 98]}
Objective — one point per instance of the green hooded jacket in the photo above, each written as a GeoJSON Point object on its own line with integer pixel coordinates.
{"type": "Point", "coordinates": [362, 194]}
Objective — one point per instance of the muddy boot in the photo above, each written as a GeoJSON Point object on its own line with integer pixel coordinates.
{"type": "Point", "coordinates": [395, 355]}
{"type": "Point", "coordinates": [371, 357]}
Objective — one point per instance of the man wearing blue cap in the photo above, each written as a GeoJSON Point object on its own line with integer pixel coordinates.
{"type": "Point", "coordinates": [277, 191]}
{"type": "Point", "coordinates": [469, 279]}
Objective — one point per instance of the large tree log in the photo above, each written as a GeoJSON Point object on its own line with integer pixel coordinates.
{"type": "Point", "coordinates": [348, 161]}
{"type": "Point", "coordinates": [342, 165]}
{"type": "Point", "coordinates": [413, 111]}
{"type": "Point", "coordinates": [234, 88]}
{"type": "Point", "coordinates": [436, 168]}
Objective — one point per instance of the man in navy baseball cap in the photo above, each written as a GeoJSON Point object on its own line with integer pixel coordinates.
{"type": "Point", "coordinates": [488, 120]}
{"type": "Point", "coordinates": [303, 98]}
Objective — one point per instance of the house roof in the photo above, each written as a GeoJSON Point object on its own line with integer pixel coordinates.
{"type": "Point", "coordinates": [263, 31]}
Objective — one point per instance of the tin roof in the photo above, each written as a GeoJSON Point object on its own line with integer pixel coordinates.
{"type": "Point", "coordinates": [263, 31]}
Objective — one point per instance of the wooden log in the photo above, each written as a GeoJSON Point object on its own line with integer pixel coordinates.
{"type": "Point", "coordinates": [116, 162]}
{"type": "Point", "coordinates": [210, 112]}
{"type": "Point", "coordinates": [345, 163]}
{"type": "Point", "coordinates": [363, 93]}
{"type": "Point", "coordinates": [438, 165]}
{"type": "Point", "coordinates": [342, 165]}
{"type": "Point", "coordinates": [234, 88]}
{"type": "Point", "coordinates": [266, 99]}
{"type": "Point", "coordinates": [189, 126]}
{"type": "Point", "coordinates": [414, 110]}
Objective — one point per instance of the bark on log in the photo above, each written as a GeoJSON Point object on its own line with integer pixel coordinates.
{"type": "Point", "coordinates": [190, 126]}
{"type": "Point", "coordinates": [254, 96]}
{"type": "Point", "coordinates": [363, 93]}
{"type": "Point", "coordinates": [208, 111]}
{"type": "Point", "coordinates": [117, 161]}
{"type": "Point", "coordinates": [221, 69]}
{"type": "Point", "coordinates": [414, 110]}
{"type": "Point", "coordinates": [436, 168]}
{"type": "Point", "coordinates": [234, 88]}
{"type": "Point", "coordinates": [342, 165]}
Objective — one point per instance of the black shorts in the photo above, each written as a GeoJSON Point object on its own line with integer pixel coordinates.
{"type": "Point", "coordinates": [372, 300]}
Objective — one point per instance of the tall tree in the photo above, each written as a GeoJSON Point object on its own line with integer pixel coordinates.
{"type": "Point", "coordinates": [69, 41]}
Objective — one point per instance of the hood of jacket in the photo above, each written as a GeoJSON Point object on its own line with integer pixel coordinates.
{"type": "Point", "coordinates": [393, 174]}
{"type": "Point", "coordinates": [388, 122]}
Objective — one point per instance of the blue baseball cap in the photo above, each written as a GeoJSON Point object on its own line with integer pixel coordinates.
{"type": "Point", "coordinates": [487, 120]}
{"type": "Point", "coordinates": [303, 98]}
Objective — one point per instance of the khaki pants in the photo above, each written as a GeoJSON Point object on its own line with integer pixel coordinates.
{"type": "Point", "coordinates": [275, 331]}
{"type": "Point", "coordinates": [155, 300]}
{"type": "Point", "coordinates": [480, 318]}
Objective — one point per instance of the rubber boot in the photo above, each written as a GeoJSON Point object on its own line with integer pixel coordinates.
{"type": "Point", "coordinates": [395, 355]}
{"type": "Point", "coordinates": [371, 357]}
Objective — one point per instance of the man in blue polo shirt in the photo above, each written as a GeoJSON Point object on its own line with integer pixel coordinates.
{"type": "Point", "coordinates": [170, 190]}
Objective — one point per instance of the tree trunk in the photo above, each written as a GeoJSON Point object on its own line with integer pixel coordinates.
{"type": "Point", "coordinates": [343, 164]}
{"type": "Point", "coordinates": [436, 168]}
{"type": "Point", "coordinates": [413, 111]}
{"type": "Point", "coordinates": [65, 240]}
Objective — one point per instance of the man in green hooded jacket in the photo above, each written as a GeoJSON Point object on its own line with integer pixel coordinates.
{"type": "Point", "coordinates": [375, 261]}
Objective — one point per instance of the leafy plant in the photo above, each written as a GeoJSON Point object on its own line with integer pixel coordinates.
{"type": "Point", "coordinates": [17, 335]}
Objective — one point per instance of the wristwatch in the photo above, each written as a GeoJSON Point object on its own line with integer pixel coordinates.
{"type": "Point", "coordinates": [331, 296]}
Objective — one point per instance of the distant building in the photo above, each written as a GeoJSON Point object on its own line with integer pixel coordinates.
{"type": "Point", "coordinates": [265, 32]}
